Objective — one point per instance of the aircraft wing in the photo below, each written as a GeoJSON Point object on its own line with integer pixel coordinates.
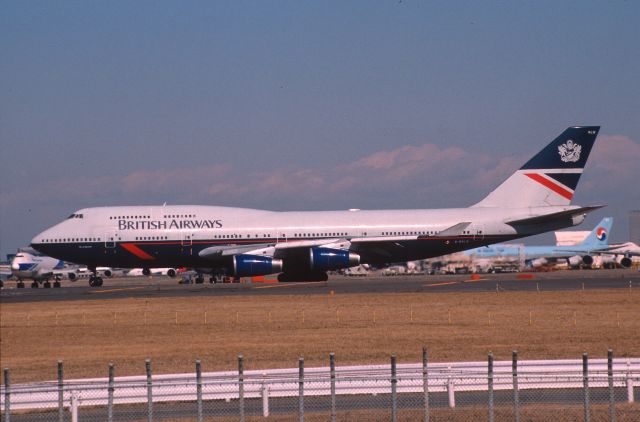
{"type": "Point", "coordinates": [275, 250]}
{"type": "Point", "coordinates": [217, 252]}
{"type": "Point", "coordinates": [627, 249]}
{"type": "Point", "coordinates": [455, 230]}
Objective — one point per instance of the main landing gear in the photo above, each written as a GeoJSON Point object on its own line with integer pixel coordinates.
{"type": "Point", "coordinates": [94, 280]}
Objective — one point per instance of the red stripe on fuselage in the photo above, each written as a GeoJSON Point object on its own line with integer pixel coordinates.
{"type": "Point", "coordinates": [137, 251]}
{"type": "Point", "coordinates": [549, 184]}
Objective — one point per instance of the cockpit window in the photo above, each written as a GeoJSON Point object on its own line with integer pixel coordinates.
{"type": "Point", "coordinates": [75, 216]}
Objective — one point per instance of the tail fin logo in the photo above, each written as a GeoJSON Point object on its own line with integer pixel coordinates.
{"type": "Point", "coordinates": [601, 233]}
{"type": "Point", "coordinates": [569, 151]}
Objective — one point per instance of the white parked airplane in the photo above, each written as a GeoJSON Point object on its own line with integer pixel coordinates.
{"type": "Point", "coordinates": [137, 272]}
{"type": "Point", "coordinates": [41, 269]}
{"type": "Point", "coordinates": [305, 245]}
{"type": "Point", "coordinates": [38, 268]}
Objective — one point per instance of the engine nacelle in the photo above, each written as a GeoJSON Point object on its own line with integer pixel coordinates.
{"type": "Point", "coordinates": [107, 273]}
{"type": "Point", "coordinates": [171, 272]}
{"type": "Point", "coordinates": [625, 261]}
{"type": "Point", "coordinates": [587, 260]}
{"type": "Point", "coordinates": [539, 262]}
{"type": "Point", "coordinates": [325, 259]}
{"type": "Point", "coordinates": [72, 276]}
{"type": "Point", "coordinates": [251, 265]}
{"type": "Point", "coordinates": [575, 261]}
{"type": "Point", "coordinates": [146, 272]}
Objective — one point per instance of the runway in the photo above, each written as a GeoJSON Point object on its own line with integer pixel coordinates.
{"type": "Point", "coordinates": [158, 286]}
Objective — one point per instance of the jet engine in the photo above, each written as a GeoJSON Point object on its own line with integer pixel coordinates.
{"type": "Point", "coordinates": [575, 261]}
{"type": "Point", "coordinates": [250, 265]}
{"type": "Point", "coordinates": [587, 260]}
{"type": "Point", "coordinates": [171, 272]}
{"type": "Point", "coordinates": [72, 276]}
{"type": "Point", "coordinates": [107, 273]}
{"type": "Point", "coordinates": [624, 261]}
{"type": "Point", "coordinates": [326, 259]}
{"type": "Point", "coordinates": [539, 262]}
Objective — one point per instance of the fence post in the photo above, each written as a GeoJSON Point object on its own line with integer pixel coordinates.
{"type": "Point", "coordinates": [612, 398]}
{"type": "Point", "coordinates": [199, 389]}
{"type": "Point", "coordinates": [265, 398]}
{"type": "Point", "coordinates": [425, 383]}
{"type": "Point", "coordinates": [585, 382]}
{"type": "Point", "coordinates": [110, 398]}
{"type": "Point", "coordinates": [74, 406]}
{"type": "Point", "coordinates": [332, 369]}
{"type": "Point", "coordinates": [451, 391]}
{"type": "Point", "coordinates": [7, 395]}
{"type": "Point", "coordinates": [394, 396]}
{"type": "Point", "coordinates": [60, 391]}
{"type": "Point", "coordinates": [301, 389]}
{"type": "Point", "coordinates": [630, 397]}
{"type": "Point", "coordinates": [490, 385]}
{"type": "Point", "coordinates": [241, 386]}
{"type": "Point", "coordinates": [516, 393]}
{"type": "Point", "coordinates": [147, 364]}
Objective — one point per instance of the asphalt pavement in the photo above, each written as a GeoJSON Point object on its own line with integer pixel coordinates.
{"type": "Point", "coordinates": [159, 286]}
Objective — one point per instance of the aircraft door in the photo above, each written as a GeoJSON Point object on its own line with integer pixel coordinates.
{"type": "Point", "coordinates": [110, 240]}
{"type": "Point", "coordinates": [186, 240]}
{"type": "Point", "coordinates": [478, 232]}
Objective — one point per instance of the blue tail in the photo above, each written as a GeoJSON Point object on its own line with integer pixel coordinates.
{"type": "Point", "coordinates": [599, 236]}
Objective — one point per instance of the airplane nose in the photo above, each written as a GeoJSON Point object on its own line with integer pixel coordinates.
{"type": "Point", "coordinates": [15, 266]}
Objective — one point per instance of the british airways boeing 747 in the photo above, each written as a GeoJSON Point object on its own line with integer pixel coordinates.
{"type": "Point", "coordinates": [305, 245]}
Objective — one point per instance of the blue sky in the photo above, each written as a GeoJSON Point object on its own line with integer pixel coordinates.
{"type": "Point", "coordinates": [286, 105]}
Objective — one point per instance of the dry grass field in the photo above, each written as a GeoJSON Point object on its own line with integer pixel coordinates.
{"type": "Point", "coordinates": [273, 331]}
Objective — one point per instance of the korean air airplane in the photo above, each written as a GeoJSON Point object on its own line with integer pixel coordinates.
{"type": "Point", "coordinates": [303, 246]}
{"type": "Point", "coordinates": [575, 255]}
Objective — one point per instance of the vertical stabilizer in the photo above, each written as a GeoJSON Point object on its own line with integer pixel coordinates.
{"type": "Point", "coordinates": [550, 177]}
{"type": "Point", "coordinates": [599, 236]}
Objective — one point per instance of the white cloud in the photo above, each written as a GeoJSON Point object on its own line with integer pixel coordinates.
{"type": "Point", "coordinates": [424, 171]}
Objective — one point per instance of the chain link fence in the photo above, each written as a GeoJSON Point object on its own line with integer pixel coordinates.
{"type": "Point", "coordinates": [596, 390]}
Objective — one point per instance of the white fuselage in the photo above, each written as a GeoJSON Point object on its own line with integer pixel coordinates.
{"type": "Point", "coordinates": [173, 236]}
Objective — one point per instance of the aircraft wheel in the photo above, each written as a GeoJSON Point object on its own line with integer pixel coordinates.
{"type": "Point", "coordinates": [212, 280]}
{"type": "Point", "coordinates": [34, 285]}
{"type": "Point", "coordinates": [99, 282]}
{"type": "Point", "coordinates": [20, 285]}
{"type": "Point", "coordinates": [199, 279]}
{"type": "Point", "coordinates": [46, 284]}
{"type": "Point", "coordinates": [56, 284]}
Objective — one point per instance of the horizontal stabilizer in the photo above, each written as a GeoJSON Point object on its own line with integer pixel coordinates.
{"type": "Point", "coordinates": [541, 219]}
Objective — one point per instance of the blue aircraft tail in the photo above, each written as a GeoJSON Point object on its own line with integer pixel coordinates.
{"type": "Point", "coordinates": [599, 236]}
